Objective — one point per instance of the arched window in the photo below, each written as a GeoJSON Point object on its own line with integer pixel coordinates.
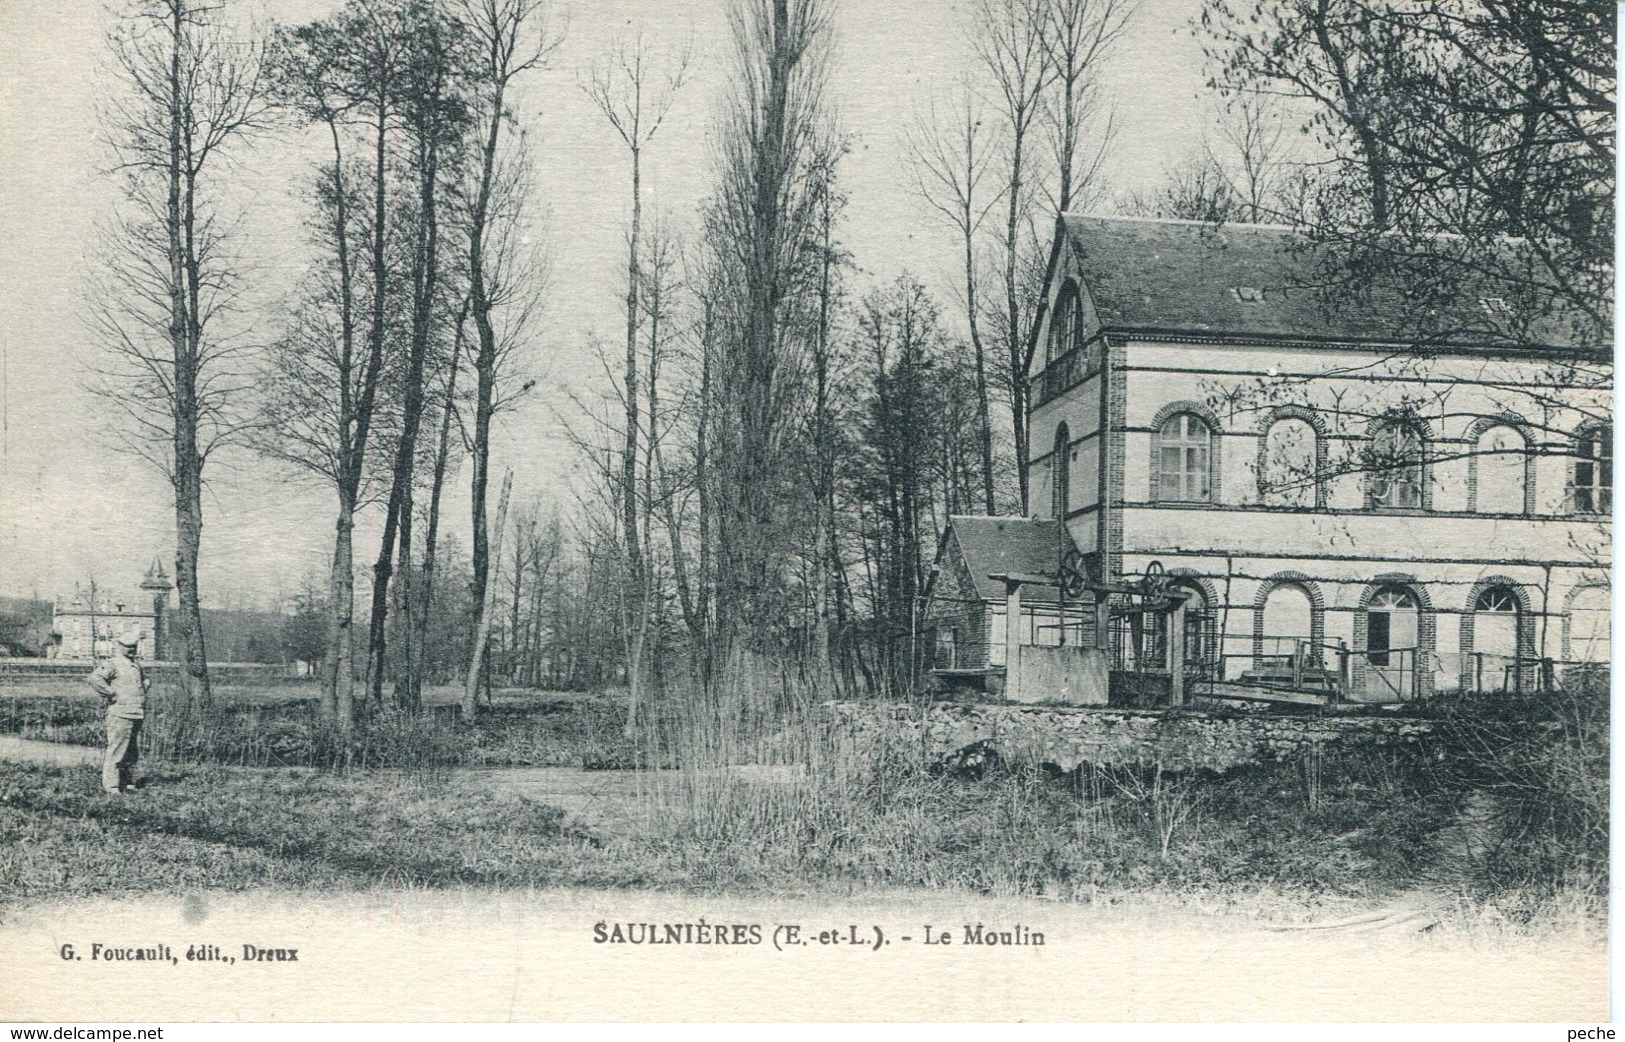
{"type": "Point", "coordinates": [1288, 618]}
{"type": "Point", "coordinates": [1592, 488]}
{"type": "Point", "coordinates": [1391, 626]}
{"type": "Point", "coordinates": [1499, 458]}
{"type": "Point", "coordinates": [1497, 637]}
{"type": "Point", "coordinates": [1184, 459]}
{"type": "Point", "coordinates": [1288, 465]}
{"type": "Point", "coordinates": [1587, 624]}
{"type": "Point", "coordinates": [1060, 474]}
{"type": "Point", "coordinates": [1065, 322]}
{"type": "Point", "coordinates": [1496, 623]}
{"type": "Point", "coordinates": [1200, 632]}
{"type": "Point", "coordinates": [1396, 477]}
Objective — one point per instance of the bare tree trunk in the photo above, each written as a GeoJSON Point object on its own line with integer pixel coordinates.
{"type": "Point", "coordinates": [704, 638]}
{"type": "Point", "coordinates": [425, 272]}
{"type": "Point", "coordinates": [501, 28]}
{"type": "Point", "coordinates": [339, 676]}
{"type": "Point", "coordinates": [824, 447]}
{"type": "Point", "coordinates": [375, 362]}
{"type": "Point", "coordinates": [619, 91]}
{"type": "Point", "coordinates": [482, 624]}
{"type": "Point", "coordinates": [425, 603]}
{"type": "Point", "coordinates": [516, 589]}
{"type": "Point", "coordinates": [184, 330]}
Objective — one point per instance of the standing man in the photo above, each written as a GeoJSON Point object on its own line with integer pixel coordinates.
{"type": "Point", "coordinates": [123, 685]}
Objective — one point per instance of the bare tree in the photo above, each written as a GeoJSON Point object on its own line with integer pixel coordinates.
{"type": "Point", "coordinates": [1079, 34]}
{"type": "Point", "coordinates": [1332, 53]}
{"type": "Point", "coordinates": [437, 481]}
{"type": "Point", "coordinates": [511, 38]}
{"type": "Point", "coordinates": [1250, 155]}
{"type": "Point", "coordinates": [1009, 38]}
{"type": "Point", "coordinates": [191, 92]}
{"type": "Point", "coordinates": [343, 74]}
{"type": "Point", "coordinates": [435, 116]}
{"type": "Point", "coordinates": [634, 91]}
{"type": "Point", "coordinates": [1194, 189]}
{"type": "Point", "coordinates": [951, 156]}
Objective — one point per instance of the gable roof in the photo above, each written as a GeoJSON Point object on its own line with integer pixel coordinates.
{"type": "Point", "coordinates": [1007, 546]}
{"type": "Point", "coordinates": [1255, 281]}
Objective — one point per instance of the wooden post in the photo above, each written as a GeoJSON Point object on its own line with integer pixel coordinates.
{"type": "Point", "coordinates": [1012, 638]}
{"type": "Point", "coordinates": [1176, 653]}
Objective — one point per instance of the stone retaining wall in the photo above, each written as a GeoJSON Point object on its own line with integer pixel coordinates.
{"type": "Point", "coordinates": [219, 672]}
{"type": "Point", "coordinates": [1068, 736]}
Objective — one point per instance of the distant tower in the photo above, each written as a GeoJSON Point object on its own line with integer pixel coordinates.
{"type": "Point", "coordinates": [157, 583]}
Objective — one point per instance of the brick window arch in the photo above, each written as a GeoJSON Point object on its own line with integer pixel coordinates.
{"type": "Point", "coordinates": [1292, 457]}
{"type": "Point", "coordinates": [1185, 454]}
{"type": "Point", "coordinates": [1203, 609]}
{"type": "Point", "coordinates": [1382, 665]}
{"type": "Point", "coordinates": [1500, 471]}
{"type": "Point", "coordinates": [1273, 611]}
{"type": "Point", "coordinates": [1497, 636]}
{"type": "Point", "coordinates": [1587, 613]}
{"type": "Point", "coordinates": [1397, 476]}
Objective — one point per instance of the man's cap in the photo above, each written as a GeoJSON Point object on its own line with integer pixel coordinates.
{"type": "Point", "coordinates": [130, 638]}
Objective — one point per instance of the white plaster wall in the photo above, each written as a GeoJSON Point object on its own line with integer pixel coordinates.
{"type": "Point", "coordinates": [1079, 409]}
{"type": "Point", "coordinates": [1448, 587]}
{"type": "Point", "coordinates": [1347, 388]}
{"type": "Point", "coordinates": [1398, 537]}
{"type": "Point", "coordinates": [1344, 548]}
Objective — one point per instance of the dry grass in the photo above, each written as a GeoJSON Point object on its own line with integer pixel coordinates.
{"type": "Point", "coordinates": [765, 797]}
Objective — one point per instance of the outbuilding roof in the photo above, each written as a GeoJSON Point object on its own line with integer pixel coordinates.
{"type": "Point", "coordinates": [1007, 546]}
{"type": "Point", "coordinates": [1156, 276]}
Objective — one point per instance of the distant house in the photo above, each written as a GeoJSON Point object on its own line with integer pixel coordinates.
{"type": "Point", "coordinates": [85, 626]}
{"type": "Point", "coordinates": [1319, 485]}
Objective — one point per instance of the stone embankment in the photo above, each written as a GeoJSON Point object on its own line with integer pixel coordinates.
{"type": "Point", "coordinates": [1069, 736]}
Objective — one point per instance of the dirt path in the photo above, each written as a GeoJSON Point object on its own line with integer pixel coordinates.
{"type": "Point", "coordinates": [606, 800]}
{"type": "Point", "coordinates": [53, 754]}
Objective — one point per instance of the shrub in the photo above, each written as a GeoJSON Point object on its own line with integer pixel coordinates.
{"type": "Point", "coordinates": [1535, 769]}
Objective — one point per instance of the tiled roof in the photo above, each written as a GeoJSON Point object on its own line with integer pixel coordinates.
{"type": "Point", "coordinates": [1166, 276]}
{"type": "Point", "coordinates": [1006, 546]}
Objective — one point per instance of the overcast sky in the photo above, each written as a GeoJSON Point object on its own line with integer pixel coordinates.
{"type": "Point", "coordinates": [71, 506]}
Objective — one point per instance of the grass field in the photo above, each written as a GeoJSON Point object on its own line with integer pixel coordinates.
{"type": "Point", "coordinates": [276, 725]}
{"type": "Point", "coordinates": [240, 807]}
